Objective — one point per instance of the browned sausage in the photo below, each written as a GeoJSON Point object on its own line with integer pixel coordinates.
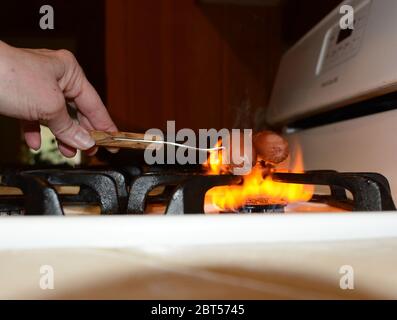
{"type": "Point", "coordinates": [243, 153]}
{"type": "Point", "coordinates": [267, 146]}
{"type": "Point", "coordinates": [270, 146]}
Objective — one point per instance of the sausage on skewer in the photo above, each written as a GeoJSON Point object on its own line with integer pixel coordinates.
{"type": "Point", "coordinates": [270, 147]}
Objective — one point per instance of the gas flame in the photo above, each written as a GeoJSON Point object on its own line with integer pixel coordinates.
{"type": "Point", "coordinates": [214, 165]}
{"type": "Point", "coordinates": [258, 187]}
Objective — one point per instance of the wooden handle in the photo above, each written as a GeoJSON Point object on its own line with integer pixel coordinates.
{"type": "Point", "coordinates": [109, 139]}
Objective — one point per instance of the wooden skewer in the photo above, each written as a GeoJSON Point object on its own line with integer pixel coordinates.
{"type": "Point", "coordinates": [138, 141]}
{"type": "Point", "coordinates": [129, 140]}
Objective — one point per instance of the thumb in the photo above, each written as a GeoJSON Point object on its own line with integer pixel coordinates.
{"type": "Point", "coordinates": [69, 131]}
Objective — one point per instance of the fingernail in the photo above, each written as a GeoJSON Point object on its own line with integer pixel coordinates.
{"type": "Point", "coordinates": [113, 150]}
{"type": "Point", "coordinates": [84, 140]}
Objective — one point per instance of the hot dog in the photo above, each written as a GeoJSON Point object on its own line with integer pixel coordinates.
{"type": "Point", "coordinates": [243, 152]}
{"type": "Point", "coordinates": [267, 147]}
{"type": "Point", "coordinates": [270, 147]}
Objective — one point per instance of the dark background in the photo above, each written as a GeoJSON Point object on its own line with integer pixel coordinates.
{"type": "Point", "coordinates": [203, 65]}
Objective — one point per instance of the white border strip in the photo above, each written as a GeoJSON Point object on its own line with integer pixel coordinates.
{"type": "Point", "coordinates": [182, 231]}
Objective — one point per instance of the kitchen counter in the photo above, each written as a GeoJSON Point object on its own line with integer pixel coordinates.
{"type": "Point", "coordinates": [278, 262]}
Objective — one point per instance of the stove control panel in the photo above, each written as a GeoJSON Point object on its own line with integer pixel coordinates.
{"type": "Point", "coordinates": [332, 67]}
{"type": "Point", "coordinates": [339, 44]}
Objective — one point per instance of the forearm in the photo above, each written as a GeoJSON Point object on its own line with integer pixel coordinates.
{"type": "Point", "coordinates": [8, 105]}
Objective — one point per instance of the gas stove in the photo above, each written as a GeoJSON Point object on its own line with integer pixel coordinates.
{"type": "Point", "coordinates": [137, 190]}
{"type": "Point", "coordinates": [337, 104]}
{"type": "Point", "coordinates": [334, 97]}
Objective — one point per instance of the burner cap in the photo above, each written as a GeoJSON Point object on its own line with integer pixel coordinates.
{"type": "Point", "coordinates": [269, 208]}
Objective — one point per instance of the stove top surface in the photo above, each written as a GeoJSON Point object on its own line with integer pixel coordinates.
{"type": "Point", "coordinates": [134, 191]}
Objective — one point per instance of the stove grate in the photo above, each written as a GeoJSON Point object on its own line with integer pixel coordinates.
{"type": "Point", "coordinates": [119, 191]}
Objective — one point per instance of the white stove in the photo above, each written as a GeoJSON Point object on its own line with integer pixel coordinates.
{"type": "Point", "coordinates": [334, 96]}
{"type": "Point", "coordinates": [335, 92]}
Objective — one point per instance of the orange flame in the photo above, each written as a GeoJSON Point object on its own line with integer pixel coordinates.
{"type": "Point", "coordinates": [214, 165]}
{"type": "Point", "coordinates": [256, 189]}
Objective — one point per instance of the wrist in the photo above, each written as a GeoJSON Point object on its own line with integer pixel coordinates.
{"type": "Point", "coordinates": [4, 47]}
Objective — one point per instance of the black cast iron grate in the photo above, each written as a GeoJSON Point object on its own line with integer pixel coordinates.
{"type": "Point", "coordinates": [129, 190]}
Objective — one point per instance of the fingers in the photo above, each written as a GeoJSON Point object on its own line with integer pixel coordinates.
{"type": "Point", "coordinates": [32, 134]}
{"type": "Point", "coordinates": [91, 152]}
{"type": "Point", "coordinates": [33, 139]}
{"type": "Point", "coordinates": [89, 104]}
{"type": "Point", "coordinates": [83, 120]}
{"type": "Point", "coordinates": [76, 87]}
{"type": "Point", "coordinates": [66, 150]}
{"type": "Point", "coordinates": [94, 115]}
{"type": "Point", "coordinates": [69, 132]}
{"type": "Point", "coordinates": [87, 125]}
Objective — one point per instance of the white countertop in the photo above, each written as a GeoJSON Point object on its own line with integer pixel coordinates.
{"type": "Point", "coordinates": [243, 257]}
{"type": "Point", "coordinates": [165, 232]}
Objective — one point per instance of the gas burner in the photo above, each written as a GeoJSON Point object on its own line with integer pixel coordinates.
{"type": "Point", "coordinates": [270, 208]}
{"type": "Point", "coordinates": [371, 191]}
{"type": "Point", "coordinates": [127, 191]}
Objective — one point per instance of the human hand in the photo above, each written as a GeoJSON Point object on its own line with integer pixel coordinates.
{"type": "Point", "coordinates": [34, 87]}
